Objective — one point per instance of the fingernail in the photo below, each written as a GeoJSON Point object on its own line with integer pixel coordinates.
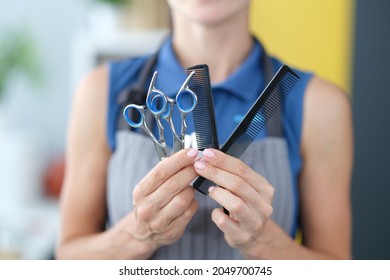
{"type": "Point", "coordinates": [192, 153]}
{"type": "Point", "coordinates": [211, 189]}
{"type": "Point", "coordinates": [200, 165]}
{"type": "Point", "coordinates": [208, 153]}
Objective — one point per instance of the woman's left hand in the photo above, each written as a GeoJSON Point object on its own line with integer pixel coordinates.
{"type": "Point", "coordinates": [244, 193]}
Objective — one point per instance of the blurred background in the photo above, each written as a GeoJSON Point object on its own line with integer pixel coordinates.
{"type": "Point", "coordinates": [46, 47]}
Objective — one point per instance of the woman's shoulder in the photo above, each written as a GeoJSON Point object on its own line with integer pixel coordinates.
{"type": "Point", "coordinates": [316, 94]}
{"type": "Point", "coordinates": [99, 88]}
{"type": "Point", "coordinates": [122, 72]}
{"type": "Point", "coordinates": [325, 91]}
{"type": "Point", "coordinates": [328, 115]}
{"type": "Point", "coordinates": [93, 87]}
{"type": "Point", "coordinates": [325, 100]}
{"type": "Point", "coordinates": [110, 76]}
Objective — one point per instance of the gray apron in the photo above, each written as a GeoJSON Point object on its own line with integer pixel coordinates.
{"type": "Point", "coordinates": [202, 239]}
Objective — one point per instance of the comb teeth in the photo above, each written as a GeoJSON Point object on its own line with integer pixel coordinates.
{"type": "Point", "coordinates": [256, 118]}
{"type": "Point", "coordinates": [261, 112]}
{"type": "Point", "coordinates": [203, 115]}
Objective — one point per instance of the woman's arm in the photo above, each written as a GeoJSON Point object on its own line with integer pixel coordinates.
{"type": "Point", "coordinates": [324, 188]}
{"type": "Point", "coordinates": [327, 149]}
{"type": "Point", "coordinates": [83, 205]}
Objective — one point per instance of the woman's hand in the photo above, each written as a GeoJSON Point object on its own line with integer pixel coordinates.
{"type": "Point", "coordinates": [244, 193]}
{"type": "Point", "coordinates": [164, 201]}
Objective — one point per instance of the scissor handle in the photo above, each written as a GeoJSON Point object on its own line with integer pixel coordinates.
{"type": "Point", "coordinates": [157, 102]}
{"type": "Point", "coordinates": [140, 110]}
{"type": "Point", "coordinates": [184, 89]}
{"type": "Point", "coordinates": [180, 100]}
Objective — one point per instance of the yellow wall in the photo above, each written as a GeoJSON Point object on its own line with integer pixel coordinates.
{"type": "Point", "coordinates": [310, 34]}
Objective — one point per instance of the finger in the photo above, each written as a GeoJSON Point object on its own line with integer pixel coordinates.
{"type": "Point", "coordinates": [236, 166]}
{"type": "Point", "coordinates": [224, 222]}
{"type": "Point", "coordinates": [171, 187]}
{"type": "Point", "coordinates": [251, 217]}
{"type": "Point", "coordinates": [150, 206]}
{"type": "Point", "coordinates": [176, 228]}
{"type": "Point", "coordinates": [175, 208]}
{"type": "Point", "coordinates": [238, 210]}
{"type": "Point", "coordinates": [234, 183]}
{"type": "Point", "coordinates": [162, 171]}
{"type": "Point", "coordinates": [235, 236]}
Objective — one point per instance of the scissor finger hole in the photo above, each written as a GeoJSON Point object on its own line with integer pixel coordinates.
{"type": "Point", "coordinates": [133, 115]}
{"type": "Point", "coordinates": [156, 103]}
{"type": "Point", "coordinates": [186, 101]}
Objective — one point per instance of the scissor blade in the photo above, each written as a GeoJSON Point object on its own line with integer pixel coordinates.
{"type": "Point", "coordinates": [161, 150]}
{"type": "Point", "coordinates": [178, 144]}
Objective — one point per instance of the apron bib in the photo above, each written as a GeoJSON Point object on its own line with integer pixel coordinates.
{"type": "Point", "coordinates": [202, 239]}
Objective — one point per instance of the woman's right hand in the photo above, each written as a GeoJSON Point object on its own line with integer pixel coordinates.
{"type": "Point", "coordinates": [163, 202]}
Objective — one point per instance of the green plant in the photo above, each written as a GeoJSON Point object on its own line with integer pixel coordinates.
{"type": "Point", "coordinates": [18, 55]}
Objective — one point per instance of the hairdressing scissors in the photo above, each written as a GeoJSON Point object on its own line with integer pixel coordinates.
{"type": "Point", "coordinates": [157, 107]}
{"type": "Point", "coordinates": [185, 107]}
{"type": "Point", "coordinates": [161, 106]}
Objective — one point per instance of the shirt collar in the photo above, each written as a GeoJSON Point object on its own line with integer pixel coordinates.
{"type": "Point", "coordinates": [171, 74]}
{"type": "Point", "coordinates": [244, 82]}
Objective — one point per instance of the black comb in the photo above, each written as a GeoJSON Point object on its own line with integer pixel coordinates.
{"type": "Point", "coordinates": [203, 115]}
{"type": "Point", "coordinates": [256, 119]}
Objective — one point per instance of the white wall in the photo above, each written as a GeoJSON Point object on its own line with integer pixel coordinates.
{"type": "Point", "coordinates": [33, 124]}
{"type": "Point", "coordinates": [54, 23]}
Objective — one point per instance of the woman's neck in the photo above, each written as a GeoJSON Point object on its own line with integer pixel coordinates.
{"type": "Point", "coordinates": [222, 47]}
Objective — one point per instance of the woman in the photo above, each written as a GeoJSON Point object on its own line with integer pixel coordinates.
{"type": "Point", "coordinates": [109, 210]}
